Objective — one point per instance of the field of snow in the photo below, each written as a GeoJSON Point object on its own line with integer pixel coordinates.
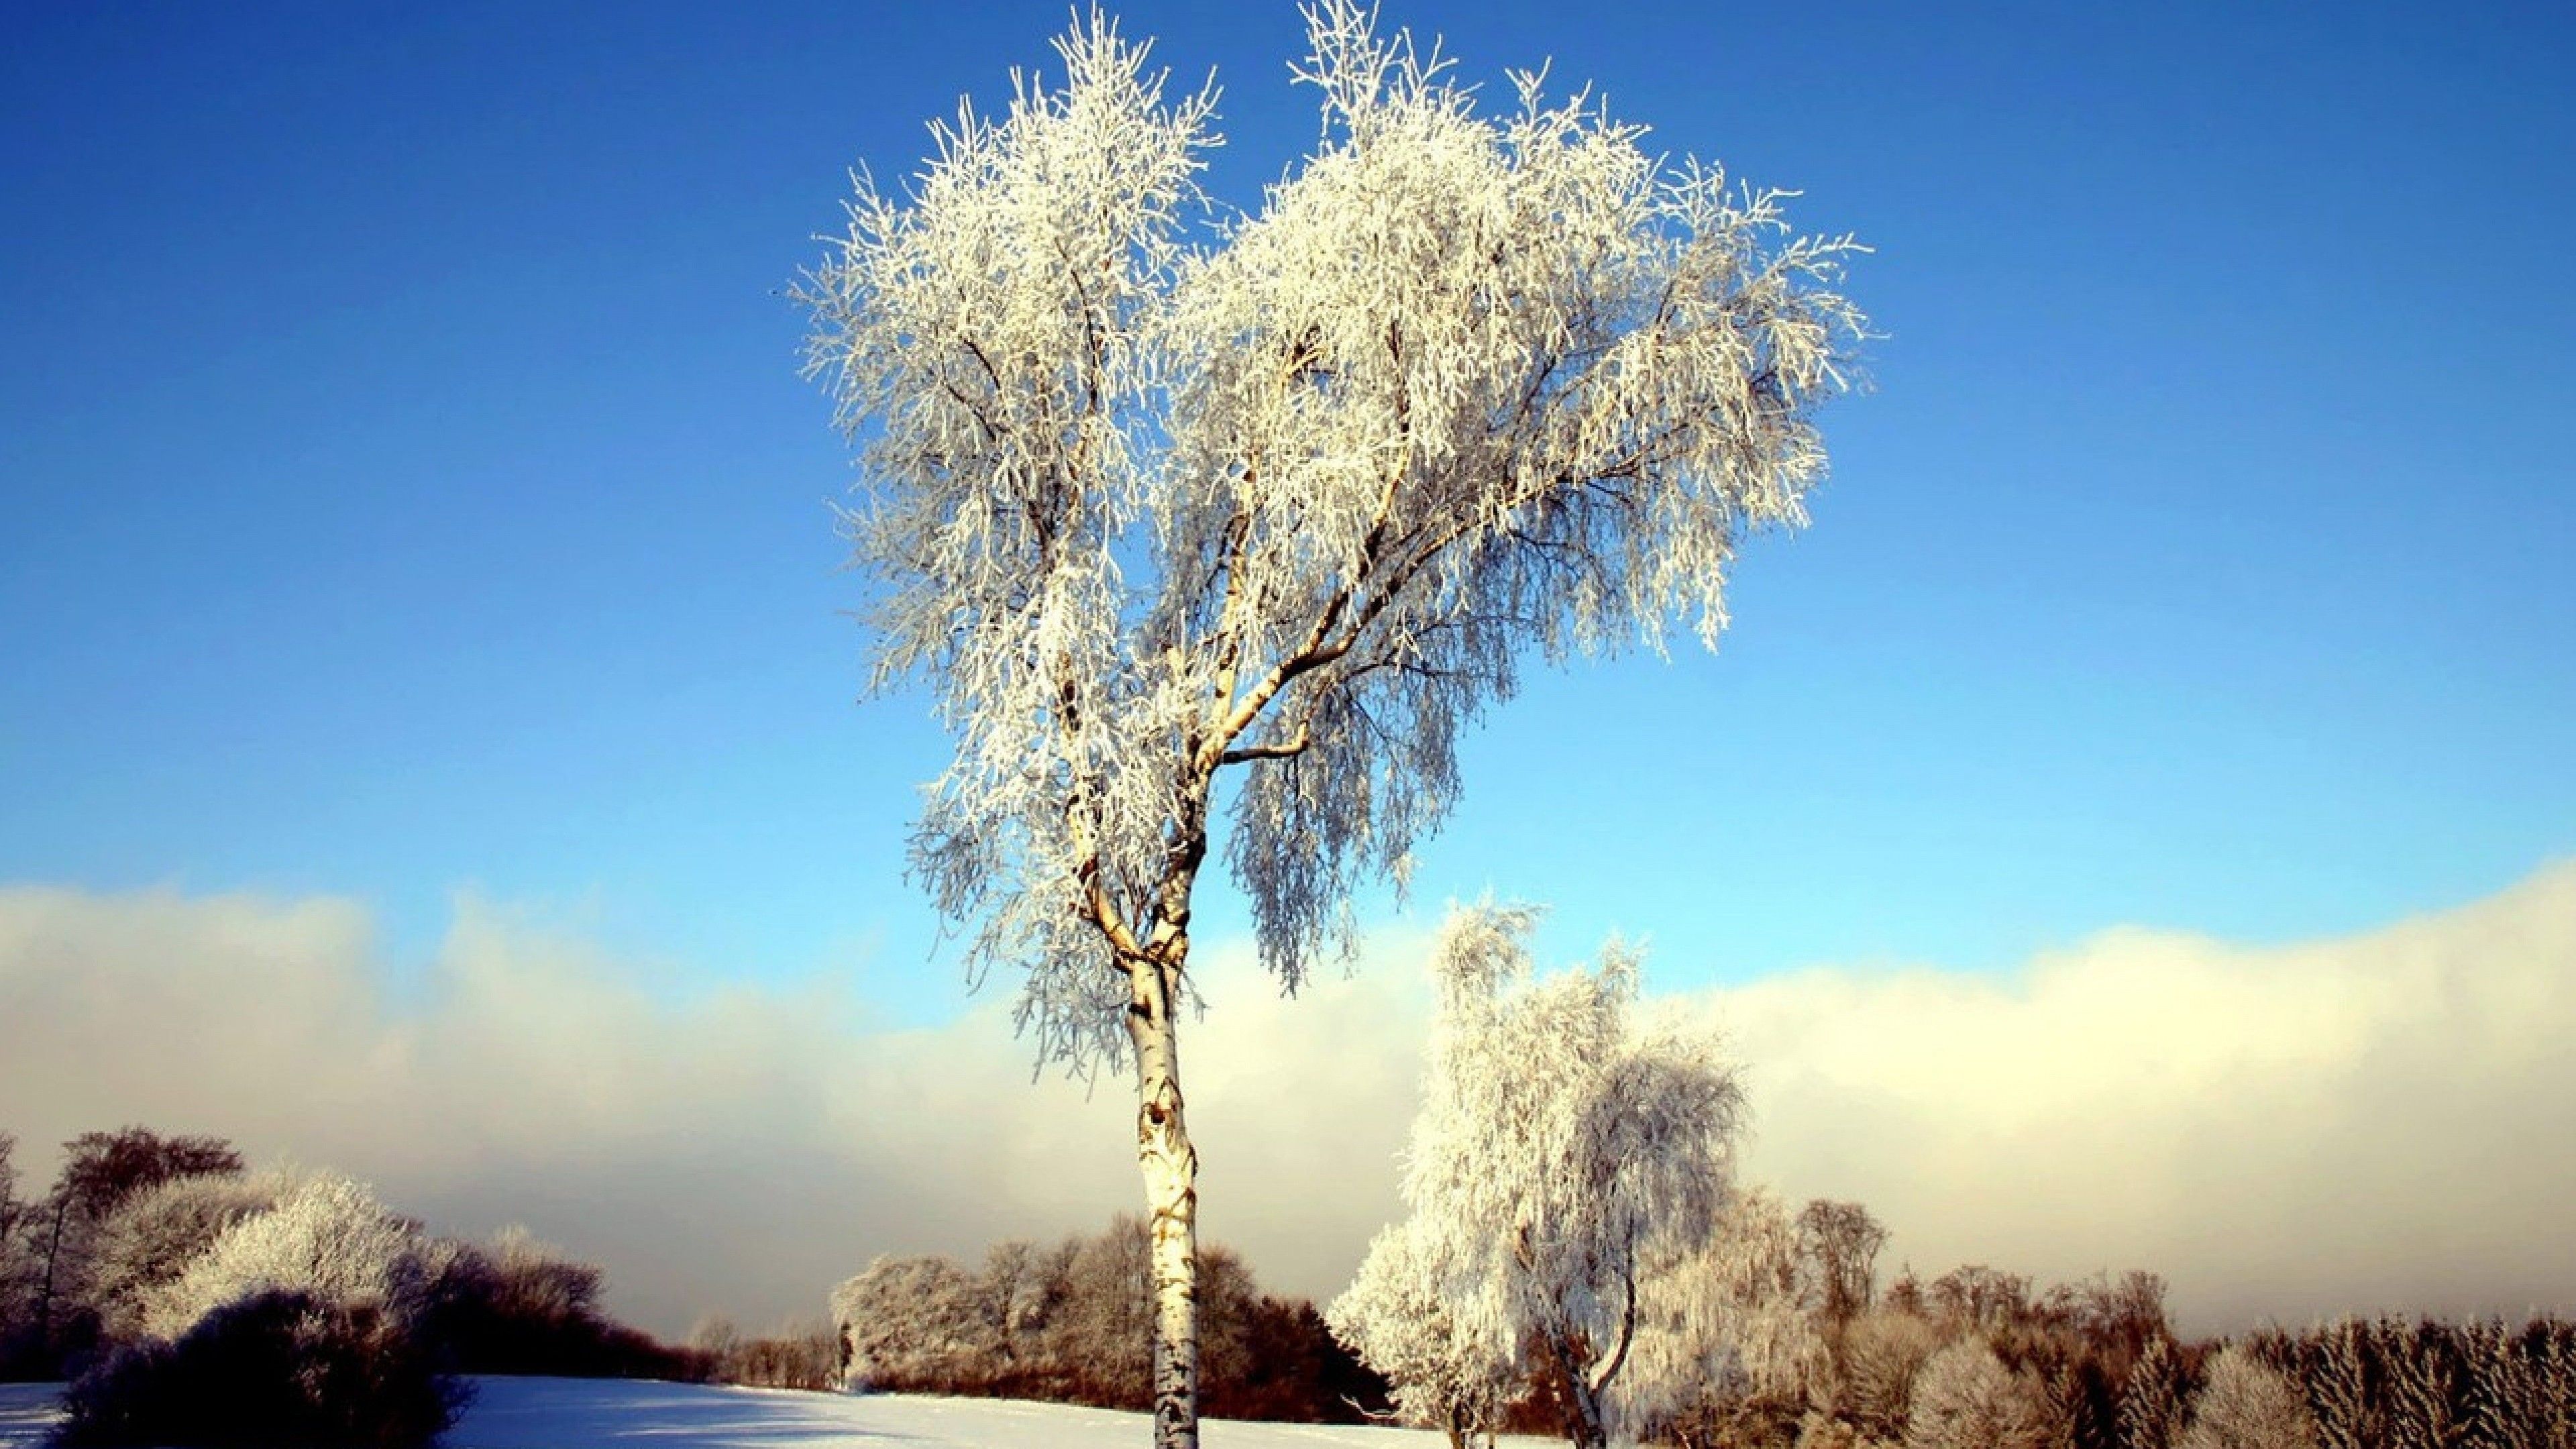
{"type": "Point", "coordinates": [603, 1413]}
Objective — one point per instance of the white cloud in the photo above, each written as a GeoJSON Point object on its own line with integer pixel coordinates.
{"type": "Point", "coordinates": [2371, 1122]}
{"type": "Point", "coordinates": [742, 1152]}
{"type": "Point", "coordinates": [2377, 1121]}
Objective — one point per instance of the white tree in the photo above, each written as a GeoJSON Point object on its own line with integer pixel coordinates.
{"type": "Point", "coordinates": [2247, 1404]}
{"type": "Point", "coordinates": [152, 1239]}
{"type": "Point", "coordinates": [1294, 504]}
{"type": "Point", "coordinates": [1562, 1158]}
{"type": "Point", "coordinates": [906, 1321]}
{"type": "Point", "coordinates": [1966, 1399]}
{"type": "Point", "coordinates": [327, 1236]}
{"type": "Point", "coordinates": [1723, 1332]}
{"type": "Point", "coordinates": [1398, 1316]}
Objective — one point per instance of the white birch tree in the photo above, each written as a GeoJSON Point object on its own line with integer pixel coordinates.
{"type": "Point", "coordinates": [1288, 503]}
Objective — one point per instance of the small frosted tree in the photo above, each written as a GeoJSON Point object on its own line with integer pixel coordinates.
{"type": "Point", "coordinates": [1881, 1356]}
{"type": "Point", "coordinates": [1563, 1157]}
{"type": "Point", "coordinates": [1289, 507]}
{"type": "Point", "coordinates": [2245, 1403]}
{"type": "Point", "coordinates": [148, 1243]}
{"type": "Point", "coordinates": [326, 1237]}
{"type": "Point", "coordinates": [1398, 1316]}
{"type": "Point", "coordinates": [2151, 1401]}
{"type": "Point", "coordinates": [1966, 1399]}
{"type": "Point", "coordinates": [101, 1171]}
{"type": "Point", "coordinates": [1725, 1346]}
{"type": "Point", "coordinates": [914, 1322]}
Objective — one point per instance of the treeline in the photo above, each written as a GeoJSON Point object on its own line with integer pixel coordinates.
{"type": "Point", "coordinates": [189, 1301]}
{"type": "Point", "coordinates": [1778, 1338]}
{"type": "Point", "coordinates": [1072, 1322]}
{"type": "Point", "coordinates": [1976, 1359]}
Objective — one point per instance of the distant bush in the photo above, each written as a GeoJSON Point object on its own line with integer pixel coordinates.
{"type": "Point", "coordinates": [278, 1369]}
{"type": "Point", "coordinates": [795, 1357]}
{"type": "Point", "coordinates": [304, 1322]}
{"type": "Point", "coordinates": [1070, 1324]}
{"type": "Point", "coordinates": [919, 1324]}
{"type": "Point", "coordinates": [522, 1307]}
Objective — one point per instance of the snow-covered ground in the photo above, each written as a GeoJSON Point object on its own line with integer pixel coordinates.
{"type": "Point", "coordinates": [25, 1411]}
{"type": "Point", "coordinates": [603, 1413]}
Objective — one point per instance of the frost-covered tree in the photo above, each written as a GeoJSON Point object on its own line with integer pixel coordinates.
{"type": "Point", "coordinates": [101, 1171]}
{"type": "Point", "coordinates": [1725, 1345]}
{"type": "Point", "coordinates": [2151, 1401]}
{"type": "Point", "coordinates": [2245, 1403]}
{"type": "Point", "coordinates": [327, 1239]}
{"type": "Point", "coordinates": [1563, 1156]}
{"type": "Point", "coordinates": [1966, 1399]}
{"type": "Point", "coordinates": [1290, 507]}
{"type": "Point", "coordinates": [912, 1321]}
{"type": "Point", "coordinates": [1399, 1317]}
{"type": "Point", "coordinates": [147, 1244]}
{"type": "Point", "coordinates": [1883, 1353]}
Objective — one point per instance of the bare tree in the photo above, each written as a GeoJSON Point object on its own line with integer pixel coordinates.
{"type": "Point", "coordinates": [1294, 505]}
{"type": "Point", "coordinates": [1841, 1241]}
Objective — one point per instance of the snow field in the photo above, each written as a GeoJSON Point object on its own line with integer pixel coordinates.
{"type": "Point", "coordinates": [533, 1413]}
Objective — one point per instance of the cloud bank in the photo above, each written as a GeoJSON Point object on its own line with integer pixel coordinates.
{"type": "Point", "coordinates": [2371, 1122]}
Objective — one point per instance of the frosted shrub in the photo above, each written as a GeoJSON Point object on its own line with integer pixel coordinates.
{"type": "Point", "coordinates": [914, 1323]}
{"type": "Point", "coordinates": [2152, 1399]}
{"type": "Point", "coordinates": [153, 1239]}
{"type": "Point", "coordinates": [1882, 1353]}
{"type": "Point", "coordinates": [1068, 1323]}
{"type": "Point", "coordinates": [2246, 1404]}
{"type": "Point", "coordinates": [1966, 1399]}
{"type": "Point", "coordinates": [327, 1238]}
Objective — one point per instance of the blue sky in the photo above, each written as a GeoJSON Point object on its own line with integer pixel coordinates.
{"type": "Point", "coordinates": [406, 487]}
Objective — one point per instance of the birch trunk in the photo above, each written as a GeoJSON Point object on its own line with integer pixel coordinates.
{"type": "Point", "coordinates": [1171, 1168]}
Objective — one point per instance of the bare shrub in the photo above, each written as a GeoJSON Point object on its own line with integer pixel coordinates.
{"type": "Point", "coordinates": [520, 1306]}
